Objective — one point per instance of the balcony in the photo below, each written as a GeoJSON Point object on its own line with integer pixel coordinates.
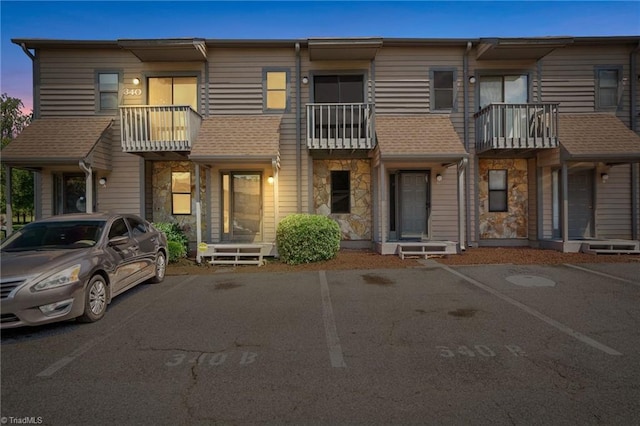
{"type": "Point", "coordinates": [157, 129]}
{"type": "Point", "coordinates": [516, 127]}
{"type": "Point", "coordinates": [340, 126]}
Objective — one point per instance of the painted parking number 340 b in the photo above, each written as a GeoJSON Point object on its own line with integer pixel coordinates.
{"type": "Point", "coordinates": [477, 350]}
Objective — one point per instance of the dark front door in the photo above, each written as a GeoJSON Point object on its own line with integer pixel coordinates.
{"type": "Point", "coordinates": [414, 205]}
{"type": "Point", "coordinates": [580, 204]}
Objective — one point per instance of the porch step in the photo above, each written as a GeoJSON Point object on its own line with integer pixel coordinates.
{"type": "Point", "coordinates": [425, 249]}
{"type": "Point", "coordinates": [610, 247]}
{"type": "Point", "coordinates": [234, 254]}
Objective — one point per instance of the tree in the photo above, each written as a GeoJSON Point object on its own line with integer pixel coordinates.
{"type": "Point", "coordinates": [14, 120]}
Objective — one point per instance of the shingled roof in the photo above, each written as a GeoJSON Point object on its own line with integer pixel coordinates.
{"type": "Point", "coordinates": [418, 136]}
{"type": "Point", "coordinates": [238, 137]}
{"type": "Point", "coordinates": [597, 136]}
{"type": "Point", "coordinates": [56, 140]}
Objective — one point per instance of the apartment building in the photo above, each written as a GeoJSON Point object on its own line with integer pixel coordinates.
{"type": "Point", "coordinates": [409, 144]}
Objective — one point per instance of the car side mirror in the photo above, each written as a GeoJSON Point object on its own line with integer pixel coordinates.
{"type": "Point", "coordinates": [118, 241]}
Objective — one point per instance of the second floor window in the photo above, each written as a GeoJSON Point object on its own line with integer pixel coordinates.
{"type": "Point", "coordinates": [108, 84]}
{"type": "Point", "coordinates": [442, 90]}
{"type": "Point", "coordinates": [275, 90]}
{"type": "Point", "coordinates": [607, 86]}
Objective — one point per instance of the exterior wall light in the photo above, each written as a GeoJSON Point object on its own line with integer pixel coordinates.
{"type": "Point", "coordinates": [604, 177]}
{"type": "Point", "coordinates": [305, 80]}
{"type": "Point", "coordinates": [472, 79]}
{"type": "Point", "coordinates": [270, 180]}
{"type": "Point", "coordinates": [438, 178]}
{"type": "Point", "coordinates": [136, 81]}
{"type": "Point", "coordinates": [102, 181]}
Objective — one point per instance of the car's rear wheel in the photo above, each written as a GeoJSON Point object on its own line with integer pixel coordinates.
{"type": "Point", "coordinates": [161, 268]}
{"type": "Point", "coordinates": [95, 299]}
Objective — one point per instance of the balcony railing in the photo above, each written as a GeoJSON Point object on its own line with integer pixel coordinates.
{"type": "Point", "coordinates": [517, 126]}
{"type": "Point", "coordinates": [158, 128]}
{"type": "Point", "coordinates": [340, 126]}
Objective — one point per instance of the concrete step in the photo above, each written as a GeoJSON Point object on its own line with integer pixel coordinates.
{"type": "Point", "coordinates": [425, 249]}
{"type": "Point", "coordinates": [610, 247]}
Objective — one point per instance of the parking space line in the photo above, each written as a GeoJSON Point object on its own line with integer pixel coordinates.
{"type": "Point", "coordinates": [61, 363]}
{"type": "Point", "coordinates": [333, 341]}
{"type": "Point", "coordinates": [563, 328]}
{"type": "Point", "coordinates": [602, 274]}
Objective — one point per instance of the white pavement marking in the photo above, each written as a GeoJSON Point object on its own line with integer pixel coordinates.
{"type": "Point", "coordinates": [335, 350]}
{"type": "Point", "coordinates": [61, 363]}
{"type": "Point", "coordinates": [602, 274]}
{"type": "Point", "coordinates": [565, 329]}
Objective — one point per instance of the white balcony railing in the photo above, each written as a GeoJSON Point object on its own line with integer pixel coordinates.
{"type": "Point", "coordinates": [158, 128]}
{"type": "Point", "coordinates": [516, 126]}
{"type": "Point", "coordinates": [340, 126]}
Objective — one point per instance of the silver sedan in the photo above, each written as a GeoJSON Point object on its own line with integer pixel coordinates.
{"type": "Point", "coordinates": [71, 266]}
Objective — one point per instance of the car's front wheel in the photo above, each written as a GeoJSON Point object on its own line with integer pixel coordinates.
{"type": "Point", "coordinates": [161, 268]}
{"type": "Point", "coordinates": [95, 299]}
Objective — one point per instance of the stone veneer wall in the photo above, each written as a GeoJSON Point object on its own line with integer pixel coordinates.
{"type": "Point", "coordinates": [511, 224]}
{"type": "Point", "coordinates": [357, 224]}
{"type": "Point", "coordinates": [161, 183]}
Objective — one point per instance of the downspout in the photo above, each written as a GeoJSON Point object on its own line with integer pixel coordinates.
{"type": "Point", "coordinates": [462, 172]}
{"type": "Point", "coordinates": [35, 77]}
{"type": "Point", "coordinates": [88, 176]}
{"type": "Point", "coordinates": [298, 132]}
{"type": "Point", "coordinates": [8, 173]}
{"type": "Point", "coordinates": [467, 188]}
{"type": "Point", "coordinates": [635, 168]}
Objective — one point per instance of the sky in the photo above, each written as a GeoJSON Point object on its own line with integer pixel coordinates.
{"type": "Point", "coordinates": [111, 20]}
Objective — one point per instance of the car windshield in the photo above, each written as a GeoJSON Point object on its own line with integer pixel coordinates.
{"type": "Point", "coordinates": [55, 235]}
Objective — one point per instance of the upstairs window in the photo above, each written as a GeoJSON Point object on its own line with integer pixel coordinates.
{"type": "Point", "coordinates": [108, 86]}
{"type": "Point", "coordinates": [498, 191]}
{"type": "Point", "coordinates": [443, 90]}
{"type": "Point", "coordinates": [275, 90]}
{"type": "Point", "coordinates": [340, 192]}
{"type": "Point", "coordinates": [608, 81]}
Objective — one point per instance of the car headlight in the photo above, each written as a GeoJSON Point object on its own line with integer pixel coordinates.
{"type": "Point", "coordinates": [64, 277]}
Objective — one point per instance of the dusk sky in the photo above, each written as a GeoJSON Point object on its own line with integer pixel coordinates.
{"type": "Point", "coordinates": [111, 20]}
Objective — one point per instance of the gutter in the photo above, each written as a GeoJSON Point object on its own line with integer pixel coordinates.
{"type": "Point", "coordinates": [35, 77]}
{"type": "Point", "coordinates": [88, 173]}
{"type": "Point", "coordinates": [465, 83]}
{"type": "Point", "coordinates": [635, 168]}
{"type": "Point", "coordinates": [298, 132]}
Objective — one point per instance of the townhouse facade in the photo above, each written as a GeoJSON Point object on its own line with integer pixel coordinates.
{"type": "Point", "coordinates": [414, 144]}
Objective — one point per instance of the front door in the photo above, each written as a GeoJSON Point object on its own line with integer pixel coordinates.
{"type": "Point", "coordinates": [242, 206]}
{"type": "Point", "coordinates": [580, 204]}
{"type": "Point", "coordinates": [414, 205]}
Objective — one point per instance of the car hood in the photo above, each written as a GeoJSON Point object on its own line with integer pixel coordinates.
{"type": "Point", "coordinates": [35, 262]}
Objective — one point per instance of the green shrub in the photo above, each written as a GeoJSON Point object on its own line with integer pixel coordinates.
{"type": "Point", "coordinates": [306, 238]}
{"type": "Point", "coordinates": [176, 251]}
{"type": "Point", "coordinates": [177, 241]}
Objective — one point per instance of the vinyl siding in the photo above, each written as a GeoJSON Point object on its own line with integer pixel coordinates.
{"type": "Point", "coordinates": [568, 77]}
{"type": "Point", "coordinates": [613, 204]}
{"type": "Point", "coordinates": [67, 78]}
{"type": "Point", "coordinates": [403, 86]}
{"type": "Point", "coordinates": [235, 87]}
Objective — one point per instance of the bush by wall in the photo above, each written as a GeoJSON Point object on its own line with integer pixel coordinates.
{"type": "Point", "coordinates": [177, 241]}
{"type": "Point", "coordinates": [176, 251]}
{"type": "Point", "coordinates": [306, 238]}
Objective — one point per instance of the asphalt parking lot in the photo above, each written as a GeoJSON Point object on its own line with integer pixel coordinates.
{"type": "Point", "coordinates": [494, 344]}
